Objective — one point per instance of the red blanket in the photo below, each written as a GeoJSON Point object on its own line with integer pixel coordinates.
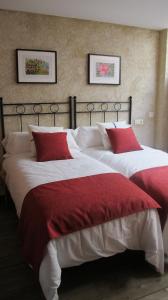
{"type": "Point", "coordinates": [154, 181]}
{"type": "Point", "coordinates": [54, 209]}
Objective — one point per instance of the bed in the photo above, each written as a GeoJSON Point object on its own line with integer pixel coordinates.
{"type": "Point", "coordinates": [26, 178]}
{"type": "Point", "coordinates": [147, 167]}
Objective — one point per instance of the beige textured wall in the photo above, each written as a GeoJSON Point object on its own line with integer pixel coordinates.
{"type": "Point", "coordinates": [73, 40]}
{"type": "Point", "coordinates": [161, 138]}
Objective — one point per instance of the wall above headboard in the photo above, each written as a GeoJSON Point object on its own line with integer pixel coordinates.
{"type": "Point", "coordinates": [73, 39]}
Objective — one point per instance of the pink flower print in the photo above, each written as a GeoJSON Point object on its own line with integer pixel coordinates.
{"type": "Point", "coordinates": [103, 69]}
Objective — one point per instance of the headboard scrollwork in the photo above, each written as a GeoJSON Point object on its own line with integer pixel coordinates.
{"type": "Point", "coordinates": [34, 109]}
{"type": "Point", "coordinates": [71, 108]}
{"type": "Point", "coordinates": [103, 108]}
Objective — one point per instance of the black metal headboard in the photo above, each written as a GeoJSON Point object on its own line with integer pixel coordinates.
{"type": "Point", "coordinates": [103, 108]}
{"type": "Point", "coordinates": [72, 108]}
{"type": "Point", "coordinates": [36, 109]}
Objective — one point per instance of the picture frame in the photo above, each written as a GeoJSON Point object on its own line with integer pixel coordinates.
{"type": "Point", "coordinates": [36, 66]}
{"type": "Point", "coordinates": [104, 69]}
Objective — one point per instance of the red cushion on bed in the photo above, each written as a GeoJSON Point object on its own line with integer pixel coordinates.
{"type": "Point", "coordinates": [123, 140]}
{"type": "Point", "coordinates": [51, 146]}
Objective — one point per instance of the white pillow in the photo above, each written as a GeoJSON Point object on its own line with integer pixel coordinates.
{"type": "Point", "coordinates": [43, 129]}
{"type": "Point", "coordinates": [17, 142]}
{"type": "Point", "coordinates": [70, 140]}
{"type": "Point", "coordinates": [88, 137]}
{"type": "Point", "coordinates": [122, 124]}
{"type": "Point", "coordinates": [102, 128]}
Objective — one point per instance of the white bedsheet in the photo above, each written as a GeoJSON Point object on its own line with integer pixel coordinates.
{"type": "Point", "coordinates": [140, 231]}
{"type": "Point", "coordinates": [129, 163]}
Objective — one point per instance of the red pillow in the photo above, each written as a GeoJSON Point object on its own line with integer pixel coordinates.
{"type": "Point", "coordinates": [123, 140]}
{"type": "Point", "coordinates": [51, 146]}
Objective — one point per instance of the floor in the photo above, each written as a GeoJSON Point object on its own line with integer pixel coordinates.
{"type": "Point", "coordinates": [123, 277]}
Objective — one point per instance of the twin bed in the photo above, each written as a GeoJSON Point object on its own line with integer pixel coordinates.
{"type": "Point", "coordinates": [147, 168]}
{"type": "Point", "coordinates": [81, 208]}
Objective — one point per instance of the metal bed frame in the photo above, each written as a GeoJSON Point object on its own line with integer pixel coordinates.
{"type": "Point", "coordinates": [20, 110]}
{"type": "Point", "coordinates": [73, 109]}
{"type": "Point", "coordinates": [101, 107]}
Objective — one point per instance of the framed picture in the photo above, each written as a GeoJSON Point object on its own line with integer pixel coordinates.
{"type": "Point", "coordinates": [36, 66]}
{"type": "Point", "coordinates": [104, 69]}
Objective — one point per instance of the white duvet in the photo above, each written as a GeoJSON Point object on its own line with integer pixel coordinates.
{"type": "Point", "coordinates": [140, 231]}
{"type": "Point", "coordinates": [129, 163]}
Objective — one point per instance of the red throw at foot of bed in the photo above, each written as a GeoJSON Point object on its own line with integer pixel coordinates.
{"type": "Point", "coordinates": [154, 181]}
{"type": "Point", "coordinates": [58, 208]}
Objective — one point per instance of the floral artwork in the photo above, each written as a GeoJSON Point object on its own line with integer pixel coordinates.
{"type": "Point", "coordinates": [36, 66]}
{"type": "Point", "coordinates": [104, 69]}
